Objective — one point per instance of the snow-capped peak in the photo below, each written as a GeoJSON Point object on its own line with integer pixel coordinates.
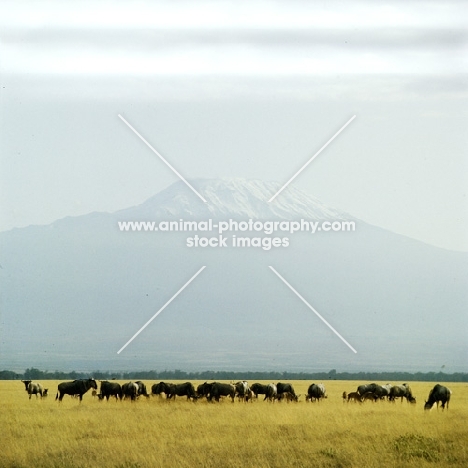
{"type": "Point", "coordinates": [236, 198]}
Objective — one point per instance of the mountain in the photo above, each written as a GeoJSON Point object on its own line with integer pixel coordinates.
{"type": "Point", "coordinates": [234, 198]}
{"type": "Point", "coordinates": [74, 292]}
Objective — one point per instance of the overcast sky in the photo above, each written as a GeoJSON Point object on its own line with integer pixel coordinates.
{"type": "Point", "coordinates": [244, 89]}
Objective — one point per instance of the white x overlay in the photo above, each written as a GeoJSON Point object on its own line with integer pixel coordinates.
{"type": "Point", "coordinates": [161, 157]}
{"type": "Point", "coordinates": [313, 310]}
{"type": "Point", "coordinates": [311, 159]}
{"type": "Point", "coordinates": [161, 309]}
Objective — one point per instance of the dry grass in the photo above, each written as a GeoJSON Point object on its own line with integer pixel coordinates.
{"type": "Point", "coordinates": [160, 433]}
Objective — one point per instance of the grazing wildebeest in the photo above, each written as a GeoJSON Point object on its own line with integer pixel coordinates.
{"type": "Point", "coordinates": [184, 389]}
{"type": "Point", "coordinates": [204, 389]}
{"type": "Point", "coordinates": [33, 388]}
{"type": "Point", "coordinates": [316, 392]}
{"type": "Point", "coordinates": [130, 389]}
{"type": "Point", "coordinates": [242, 389]}
{"type": "Point", "coordinates": [344, 396]}
{"type": "Point", "coordinates": [285, 388]}
{"type": "Point", "coordinates": [221, 389]}
{"type": "Point", "coordinates": [77, 387]}
{"type": "Point", "coordinates": [438, 393]}
{"type": "Point", "coordinates": [355, 397]}
{"type": "Point", "coordinates": [401, 391]}
{"type": "Point", "coordinates": [109, 389]}
{"type": "Point", "coordinates": [141, 389]}
{"type": "Point", "coordinates": [271, 392]}
{"type": "Point", "coordinates": [259, 389]}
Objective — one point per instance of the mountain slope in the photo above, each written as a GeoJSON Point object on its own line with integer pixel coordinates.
{"type": "Point", "coordinates": [75, 291]}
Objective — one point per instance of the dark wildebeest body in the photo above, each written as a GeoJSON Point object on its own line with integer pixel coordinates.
{"type": "Point", "coordinates": [158, 388]}
{"type": "Point", "coordinates": [204, 389]}
{"type": "Point", "coordinates": [109, 389]}
{"type": "Point", "coordinates": [401, 391]}
{"type": "Point", "coordinates": [381, 392]}
{"type": "Point", "coordinates": [316, 392]}
{"type": "Point", "coordinates": [184, 389]}
{"type": "Point", "coordinates": [366, 388]}
{"type": "Point", "coordinates": [259, 389]}
{"type": "Point", "coordinates": [285, 388]}
{"type": "Point", "coordinates": [438, 394]}
{"type": "Point", "coordinates": [271, 392]}
{"type": "Point", "coordinates": [221, 389]}
{"type": "Point", "coordinates": [34, 388]}
{"type": "Point", "coordinates": [77, 387]}
{"type": "Point", "coordinates": [130, 389]}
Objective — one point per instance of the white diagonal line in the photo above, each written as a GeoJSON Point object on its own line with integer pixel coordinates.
{"type": "Point", "coordinates": [312, 309]}
{"type": "Point", "coordinates": [161, 157]}
{"type": "Point", "coordinates": [161, 309]}
{"type": "Point", "coordinates": [312, 158]}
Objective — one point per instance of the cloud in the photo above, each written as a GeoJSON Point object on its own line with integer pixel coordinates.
{"type": "Point", "coordinates": [224, 38]}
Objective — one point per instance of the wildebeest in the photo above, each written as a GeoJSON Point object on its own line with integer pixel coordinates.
{"type": "Point", "coordinates": [34, 388]}
{"type": "Point", "coordinates": [438, 393]}
{"type": "Point", "coordinates": [401, 391]}
{"type": "Point", "coordinates": [77, 387]}
{"type": "Point", "coordinates": [316, 392]}
{"type": "Point", "coordinates": [366, 388]}
{"type": "Point", "coordinates": [158, 388]}
{"type": "Point", "coordinates": [109, 389]}
{"type": "Point", "coordinates": [373, 391]}
{"type": "Point", "coordinates": [242, 389]}
{"type": "Point", "coordinates": [271, 392]}
{"type": "Point", "coordinates": [141, 389]}
{"type": "Point", "coordinates": [286, 388]}
{"type": "Point", "coordinates": [259, 389]}
{"type": "Point", "coordinates": [381, 391]}
{"type": "Point", "coordinates": [184, 389]}
{"type": "Point", "coordinates": [355, 397]}
{"type": "Point", "coordinates": [221, 389]}
{"type": "Point", "coordinates": [369, 396]}
{"type": "Point", "coordinates": [130, 389]}
{"type": "Point", "coordinates": [386, 390]}
{"type": "Point", "coordinates": [204, 389]}
{"type": "Point", "coordinates": [250, 395]}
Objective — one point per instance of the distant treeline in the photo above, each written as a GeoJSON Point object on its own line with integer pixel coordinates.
{"type": "Point", "coordinates": [36, 374]}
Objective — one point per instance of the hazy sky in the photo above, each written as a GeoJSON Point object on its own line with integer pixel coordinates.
{"type": "Point", "coordinates": [244, 89]}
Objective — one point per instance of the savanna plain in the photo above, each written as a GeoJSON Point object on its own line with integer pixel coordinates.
{"type": "Point", "coordinates": [155, 432]}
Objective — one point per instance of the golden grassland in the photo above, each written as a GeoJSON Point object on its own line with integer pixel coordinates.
{"type": "Point", "coordinates": [155, 432]}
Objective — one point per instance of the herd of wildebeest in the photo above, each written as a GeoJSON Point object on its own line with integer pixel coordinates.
{"type": "Point", "coordinates": [214, 391]}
